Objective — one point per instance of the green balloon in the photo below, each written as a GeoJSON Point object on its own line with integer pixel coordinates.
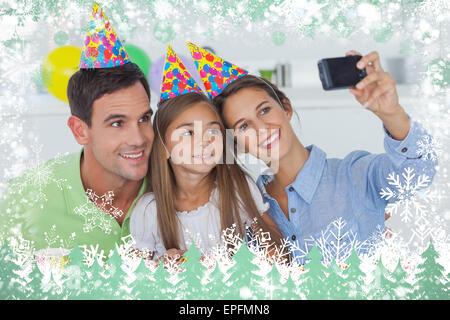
{"type": "Point", "coordinates": [138, 56]}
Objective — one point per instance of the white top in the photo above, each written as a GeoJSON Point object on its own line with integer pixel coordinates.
{"type": "Point", "coordinates": [201, 225]}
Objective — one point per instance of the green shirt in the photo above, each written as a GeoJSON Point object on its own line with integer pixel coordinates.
{"type": "Point", "coordinates": [49, 208]}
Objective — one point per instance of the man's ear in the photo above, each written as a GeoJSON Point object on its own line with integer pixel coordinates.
{"type": "Point", "coordinates": [288, 108]}
{"type": "Point", "coordinates": [79, 130]}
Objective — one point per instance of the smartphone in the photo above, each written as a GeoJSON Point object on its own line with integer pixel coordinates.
{"type": "Point", "coordinates": [340, 73]}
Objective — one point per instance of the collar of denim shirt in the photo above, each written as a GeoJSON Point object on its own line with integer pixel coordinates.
{"type": "Point", "coordinates": [308, 178]}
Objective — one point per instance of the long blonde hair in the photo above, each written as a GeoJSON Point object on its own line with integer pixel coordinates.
{"type": "Point", "coordinates": [234, 192]}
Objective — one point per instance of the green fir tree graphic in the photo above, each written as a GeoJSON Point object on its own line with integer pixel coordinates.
{"type": "Point", "coordinates": [431, 282]}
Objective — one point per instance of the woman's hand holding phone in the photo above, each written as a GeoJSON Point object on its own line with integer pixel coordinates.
{"type": "Point", "coordinates": [377, 92]}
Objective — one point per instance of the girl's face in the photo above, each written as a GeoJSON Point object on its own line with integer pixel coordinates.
{"type": "Point", "coordinates": [194, 139]}
{"type": "Point", "coordinates": [261, 127]}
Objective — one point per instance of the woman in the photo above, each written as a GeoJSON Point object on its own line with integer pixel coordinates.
{"type": "Point", "coordinates": [306, 190]}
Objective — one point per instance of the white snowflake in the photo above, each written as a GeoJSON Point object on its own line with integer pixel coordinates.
{"type": "Point", "coordinates": [434, 227]}
{"type": "Point", "coordinates": [336, 243]}
{"type": "Point", "coordinates": [104, 202]}
{"type": "Point", "coordinates": [418, 207]}
{"type": "Point", "coordinates": [94, 218]}
{"type": "Point", "coordinates": [260, 245]}
{"type": "Point", "coordinates": [429, 148]}
{"type": "Point", "coordinates": [96, 210]}
{"type": "Point", "coordinates": [405, 195]}
{"type": "Point", "coordinates": [172, 266]}
{"type": "Point", "coordinates": [231, 240]}
{"type": "Point", "coordinates": [19, 55]}
{"type": "Point", "coordinates": [267, 256]}
{"type": "Point", "coordinates": [223, 251]}
{"type": "Point", "coordinates": [36, 179]}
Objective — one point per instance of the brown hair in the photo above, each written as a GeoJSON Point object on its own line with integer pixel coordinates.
{"type": "Point", "coordinates": [234, 192]}
{"type": "Point", "coordinates": [87, 85]}
{"type": "Point", "coordinates": [250, 81]}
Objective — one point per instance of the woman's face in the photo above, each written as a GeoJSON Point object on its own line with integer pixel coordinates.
{"type": "Point", "coordinates": [261, 127]}
{"type": "Point", "coordinates": [194, 139]}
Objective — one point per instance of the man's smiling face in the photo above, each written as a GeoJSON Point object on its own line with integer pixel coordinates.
{"type": "Point", "coordinates": [121, 135]}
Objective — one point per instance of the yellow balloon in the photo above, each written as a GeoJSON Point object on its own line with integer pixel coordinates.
{"type": "Point", "coordinates": [58, 67]}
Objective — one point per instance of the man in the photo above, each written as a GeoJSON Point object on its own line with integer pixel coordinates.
{"type": "Point", "coordinates": [92, 193]}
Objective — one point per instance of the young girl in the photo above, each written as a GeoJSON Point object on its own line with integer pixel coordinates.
{"type": "Point", "coordinates": [306, 190]}
{"type": "Point", "coordinates": [194, 197]}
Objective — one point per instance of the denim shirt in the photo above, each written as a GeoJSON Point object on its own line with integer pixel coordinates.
{"type": "Point", "coordinates": [332, 199]}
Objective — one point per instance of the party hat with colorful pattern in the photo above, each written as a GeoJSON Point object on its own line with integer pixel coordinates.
{"type": "Point", "coordinates": [216, 73]}
{"type": "Point", "coordinates": [176, 79]}
{"type": "Point", "coordinates": [102, 48]}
